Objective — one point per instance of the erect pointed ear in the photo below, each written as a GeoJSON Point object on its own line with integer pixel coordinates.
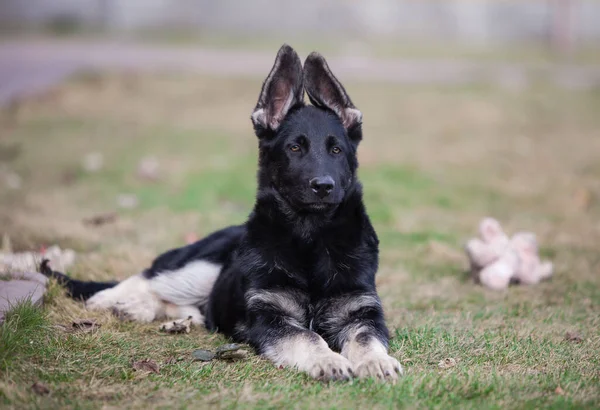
{"type": "Point", "coordinates": [281, 90]}
{"type": "Point", "coordinates": [324, 90]}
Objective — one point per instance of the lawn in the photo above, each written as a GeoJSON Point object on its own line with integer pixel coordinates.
{"type": "Point", "coordinates": [434, 161]}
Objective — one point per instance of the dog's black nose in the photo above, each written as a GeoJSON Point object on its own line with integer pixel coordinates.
{"type": "Point", "coordinates": [322, 186]}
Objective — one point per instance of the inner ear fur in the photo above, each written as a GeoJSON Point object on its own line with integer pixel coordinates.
{"type": "Point", "coordinates": [281, 90]}
{"type": "Point", "coordinates": [325, 90]}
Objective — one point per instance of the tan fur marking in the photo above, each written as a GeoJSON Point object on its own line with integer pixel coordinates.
{"type": "Point", "coordinates": [308, 352]}
{"type": "Point", "coordinates": [369, 356]}
{"type": "Point", "coordinates": [287, 302]}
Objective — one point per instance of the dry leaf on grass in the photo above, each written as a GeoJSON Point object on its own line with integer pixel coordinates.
{"type": "Point", "coordinates": [146, 365]}
{"type": "Point", "coordinates": [229, 352]}
{"type": "Point", "coordinates": [85, 325]}
{"type": "Point", "coordinates": [177, 326]}
{"type": "Point", "coordinates": [102, 219]}
{"type": "Point", "coordinates": [559, 391]}
{"type": "Point", "coordinates": [40, 389]}
{"type": "Point", "coordinates": [240, 354]}
{"type": "Point", "coordinates": [574, 337]}
{"type": "Point", "coordinates": [447, 363]}
{"type": "Point", "coordinates": [173, 360]}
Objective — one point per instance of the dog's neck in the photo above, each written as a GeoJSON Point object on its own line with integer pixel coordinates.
{"type": "Point", "coordinates": [275, 214]}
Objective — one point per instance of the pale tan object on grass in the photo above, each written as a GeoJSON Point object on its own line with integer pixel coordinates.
{"type": "Point", "coordinates": [531, 269]}
{"type": "Point", "coordinates": [491, 246]}
{"type": "Point", "coordinates": [497, 260]}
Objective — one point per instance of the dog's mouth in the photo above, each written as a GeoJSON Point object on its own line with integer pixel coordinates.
{"type": "Point", "coordinates": [308, 207]}
{"type": "Point", "coordinates": [318, 207]}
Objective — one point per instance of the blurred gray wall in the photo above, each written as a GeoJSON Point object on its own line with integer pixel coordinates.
{"type": "Point", "coordinates": [482, 22]}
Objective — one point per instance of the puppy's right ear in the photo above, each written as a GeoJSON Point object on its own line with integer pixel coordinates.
{"type": "Point", "coordinates": [282, 90]}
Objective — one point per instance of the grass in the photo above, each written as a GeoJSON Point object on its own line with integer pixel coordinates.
{"type": "Point", "coordinates": [434, 161]}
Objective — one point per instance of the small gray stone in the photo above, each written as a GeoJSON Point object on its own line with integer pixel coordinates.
{"type": "Point", "coordinates": [203, 355]}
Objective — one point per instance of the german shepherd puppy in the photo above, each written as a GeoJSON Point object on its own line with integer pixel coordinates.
{"type": "Point", "coordinates": [297, 280]}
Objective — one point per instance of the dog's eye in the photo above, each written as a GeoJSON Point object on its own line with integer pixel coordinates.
{"type": "Point", "coordinates": [336, 150]}
{"type": "Point", "coordinates": [295, 148]}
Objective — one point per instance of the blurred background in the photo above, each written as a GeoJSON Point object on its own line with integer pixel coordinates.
{"type": "Point", "coordinates": [125, 131]}
{"type": "Point", "coordinates": [352, 25]}
{"type": "Point", "coordinates": [489, 106]}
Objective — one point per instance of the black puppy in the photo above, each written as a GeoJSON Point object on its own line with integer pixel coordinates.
{"type": "Point", "coordinates": [297, 281]}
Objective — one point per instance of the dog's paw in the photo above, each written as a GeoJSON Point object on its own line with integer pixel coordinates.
{"type": "Point", "coordinates": [332, 366]}
{"type": "Point", "coordinates": [380, 366]}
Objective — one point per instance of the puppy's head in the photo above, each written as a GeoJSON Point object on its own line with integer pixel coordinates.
{"type": "Point", "coordinates": [307, 153]}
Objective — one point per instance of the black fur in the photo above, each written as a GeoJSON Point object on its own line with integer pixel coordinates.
{"type": "Point", "coordinates": [315, 246]}
{"type": "Point", "coordinates": [319, 248]}
{"type": "Point", "coordinates": [77, 289]}
{"type": "Point", "coordinates": [217, 248]}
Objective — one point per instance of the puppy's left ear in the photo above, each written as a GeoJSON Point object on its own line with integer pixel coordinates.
{"type": "Point", "coordinates": [325, 90]}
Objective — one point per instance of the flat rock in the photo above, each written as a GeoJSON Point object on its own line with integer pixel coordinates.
{"type": "Point", "coordinates": [31, 276]}
{"type": "Point", "coordinates": [14, 291]}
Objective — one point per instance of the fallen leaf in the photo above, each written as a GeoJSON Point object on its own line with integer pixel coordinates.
{"type": "Point", "coordinates": [40, 389]}
{"type": "Point", "coordinates": [85, 325]}
{"type": "Point", "coordinates": [574, 337]}
{"type": "Point", "coordinates": [447, 363]}
{"type": "Point", "coordinates": [102, 219]}
{"type": "Point", "coordinates": [173, 360]}
{"type": "Point", "coordinates": [559, 391]}
{"type": "Point", "coordinates": [146, 365]}
{"type": "Point", "coordinates": [177, 326]}
{"type": "Point", "coordinates": [229, 347]}
{"type": "Point", "coordinates": [231, 351]}
{"type": "Point", "coordinates": [203, 355]}
{"type": "Point", "coordinates": [240, 354]}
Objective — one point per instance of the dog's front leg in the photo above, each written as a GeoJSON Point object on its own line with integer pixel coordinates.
{"type": "Point", "coordinates": [354, 324]}
{"type": "Point", "coordinates": [275, 328]}
{"type": "Point", "coordinates": [369, 354]}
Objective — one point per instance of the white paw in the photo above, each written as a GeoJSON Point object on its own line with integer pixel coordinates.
{"type": "Point", "coordinates": [177, 326]}
{"type": "Point", "coordinates": [380, 366]}
{"type": "Point", "coordinates": [332, 366]}
{"type": "Point", "coordinates": [137, 310]}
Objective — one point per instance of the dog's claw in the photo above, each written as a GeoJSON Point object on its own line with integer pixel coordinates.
{"type": "Point", "coordinates": [381, 367]}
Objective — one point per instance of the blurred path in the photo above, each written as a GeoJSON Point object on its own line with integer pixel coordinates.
{"type": "Point", "coordinates": [29, 66]}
